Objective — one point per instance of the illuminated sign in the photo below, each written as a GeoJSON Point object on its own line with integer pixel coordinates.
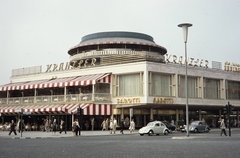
{"type": "Point", "coordinates": [163, 100]}
{"type": "Point", "coordinates": [128, 100]}
{"type": "Point", "coordinates": [231, 67]}
{"type": "Point", "coordinates": [189, 61]}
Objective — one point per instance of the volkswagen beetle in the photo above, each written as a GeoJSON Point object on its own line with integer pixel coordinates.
{"type": "Point", "coordinates": [155, 127]}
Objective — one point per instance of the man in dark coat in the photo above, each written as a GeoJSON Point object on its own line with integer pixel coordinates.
{"type": "Point", "coordinates": [122, 126]}
{"type": "Point", "coordinates": [12, 126]}
{"type": "Point", "coordinates": [63, 127]}
{"type": "Point", "coordinates": [21, 126]}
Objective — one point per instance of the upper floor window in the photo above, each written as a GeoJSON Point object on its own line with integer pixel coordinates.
{"type": "Point", "coordinates": [232, 90]}
{"type": "Point", "coordinates": [161, 84]}
{"type": "Point", "coordinates": [128, 84]}
{"type": "Point", "coordinates": [193, 86]}
{"type": "Point", "coordinates": [212, 88]}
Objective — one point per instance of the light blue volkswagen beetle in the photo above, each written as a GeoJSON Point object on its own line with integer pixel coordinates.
{"type": "Point", "coordinates": [155, 127]}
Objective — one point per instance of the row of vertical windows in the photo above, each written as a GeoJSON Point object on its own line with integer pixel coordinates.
{"type": "Point", "coordinates": [164, 85]}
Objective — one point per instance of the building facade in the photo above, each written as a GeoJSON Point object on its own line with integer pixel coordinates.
{"type": "Point", "coordinates": [122, 75]}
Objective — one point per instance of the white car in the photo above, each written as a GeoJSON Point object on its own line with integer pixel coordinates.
{"type": "Point", "coordinates": [155, 127]}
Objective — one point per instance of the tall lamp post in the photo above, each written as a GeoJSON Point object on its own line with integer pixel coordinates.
{"type": "Point", "coordinates": [185, 27]}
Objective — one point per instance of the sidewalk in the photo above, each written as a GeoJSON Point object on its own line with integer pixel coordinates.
{"type": "Point", "coordinates": [40, 134]}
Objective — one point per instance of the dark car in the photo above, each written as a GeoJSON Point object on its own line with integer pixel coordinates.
{"type": "Point", "coordinates": [169, 126]}
{"type": "Point", "coordinates": [197, 126]}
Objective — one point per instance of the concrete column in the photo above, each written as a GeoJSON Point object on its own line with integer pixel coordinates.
{"type": "Point", "coordinates": [144, 120]}
{"type": "Point", "coordinates": [151, 114]}
{"type": "Point", "coordinates": [177, 115]}
{"type": "Point", "coordinates": [65, 93]}
{"type": "Point", "coordinates": [199, 115]}
{"type": "Point", "coordinates": [122, 113]}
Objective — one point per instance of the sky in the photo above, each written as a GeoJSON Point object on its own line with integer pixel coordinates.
{"type": "Point", "coordinates": [40, 32]}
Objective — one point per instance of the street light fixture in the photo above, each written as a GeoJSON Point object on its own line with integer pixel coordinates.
{"type": "Point", "coordinates": [185, 27]}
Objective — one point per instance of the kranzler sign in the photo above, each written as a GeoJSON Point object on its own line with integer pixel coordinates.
{"type": "Point", "coordinates": [189, 61]}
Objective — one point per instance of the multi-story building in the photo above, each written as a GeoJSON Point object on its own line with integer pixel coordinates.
{"type": "Point", "coordinates": [121, 75]}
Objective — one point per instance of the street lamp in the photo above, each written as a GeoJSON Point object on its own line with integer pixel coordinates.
{"type": "Point", "coordinates": [185, 27]}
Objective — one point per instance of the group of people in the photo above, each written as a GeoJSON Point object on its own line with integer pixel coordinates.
{"type": "Point", "coordinates": [112, 125]}
{"type": "Point", "coordinates": [19, 126]}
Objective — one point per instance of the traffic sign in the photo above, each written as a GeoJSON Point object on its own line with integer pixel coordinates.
{"type": "Point", "coordinates": [27, 113]}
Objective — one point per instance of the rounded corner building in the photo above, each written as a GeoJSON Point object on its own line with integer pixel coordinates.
{"type": "Point", "coordinates": [122, 75]}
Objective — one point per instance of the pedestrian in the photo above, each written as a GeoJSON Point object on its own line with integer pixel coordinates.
{"type": "Point", "coordinates": [87, 124]}
{"type": "Point", "coordinates": [172, 122]}
{"type": "Point", "coordinates": [114, 125]}
{"type": "Point", "coordinates": [74, 128]}
{"type": "Point", "coordinates": [92, 123]}
{"type": "Point", "coordinates": [111, 126]}
{"type": "Point", "coordinates": [106, 124]}
{"type": "Point", "coordinates": [103, 125]}
{"type": "Point", "coordinates": [12, 128]}
{"type": "Point", "coordinates": [54, 126]}
{"type": "Point", "coordinates": [223, 128]}
{"type": "Point", "coordinates": [122, 126]}
{"type": "Point", "coordinates": [46, 125]}
{"type": "Point", "coordinates": [132, 126]}
{"type": "Point", "coordinates": [21, 126]}
{"type": "Point", "coordinates": [63, 127]}
{"type": "Point", "coordinates": [77, 127]}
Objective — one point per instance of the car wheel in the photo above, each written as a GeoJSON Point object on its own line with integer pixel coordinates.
{"type": "Point", "coordinates": [141, 134]}
{"type": "Point", "coordinates": [195, 130]}
{"type": "Point", "coordinates": [150, 133]}
{"type": "Point", "coordinates": [165, 132]}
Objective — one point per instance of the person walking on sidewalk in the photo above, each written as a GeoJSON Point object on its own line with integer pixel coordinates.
{"type": "Point", "coordinates": [63, 127]}
{"type": "Point", "coordinates": [114, 125]}
{"type": "Point", "coordinates": [21, 126]}
{"type": "Point", "coordinates": [12, 126]}
{"type": "Point", "coordinates": [107, 124]}
{"type": "Point", "coordinates": [77, 127]}
{"type": "Point", "coordinates": [111, 126]}
{"type": "Point", "coordinates": [122, 126]}
{"type": "Point", "coordinates": [132, 126]}
{"type": "Point", "coordinates": [223, 128]}
{"type": "Point", "coordinates": [103, 125]}
{"type": "Point", "coordinates": [54, 126]}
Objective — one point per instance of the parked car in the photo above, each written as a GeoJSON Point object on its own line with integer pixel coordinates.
{"type": "Point", "coordinates": [197, 126]}
{"type": "Point", "coordinates": [155, 127]}
{"type": "Point", "coordinates": [169, 126]}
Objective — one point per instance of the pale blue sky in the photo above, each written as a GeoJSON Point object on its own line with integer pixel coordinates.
{"type": "Point", "coordinates": [40, 32]}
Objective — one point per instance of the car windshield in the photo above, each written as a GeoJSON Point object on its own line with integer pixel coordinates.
{"type": "Point", "coordinates": [194, 123]}
{"type": "Point", "coordinates": [150, 124]}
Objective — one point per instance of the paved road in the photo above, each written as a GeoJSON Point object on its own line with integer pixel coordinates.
{"type": "Point", "coordinates": [101, 144]}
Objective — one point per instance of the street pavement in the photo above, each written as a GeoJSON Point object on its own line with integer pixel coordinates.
{"type": "Point", "coordinates": [40, 134]}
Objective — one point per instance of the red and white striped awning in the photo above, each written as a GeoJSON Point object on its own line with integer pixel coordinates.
{"type": "Point", "coordinates": [11, 86]}
{"type": "Point", "coordinates": [88, 109]}
{"type": "Point", "coordinates": [33, 84]}
{"type": "Point", "coordinates": [95, 109]}
{"type": "Point", "coordinates": [59, 82]}
{"type": "Point", "coordinates": [90, 79]}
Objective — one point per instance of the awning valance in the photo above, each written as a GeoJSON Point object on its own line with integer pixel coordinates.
{"type": "Point", "coordinates": [59, 82]}
{"type": "Point", "coordinates": [88, 109]}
